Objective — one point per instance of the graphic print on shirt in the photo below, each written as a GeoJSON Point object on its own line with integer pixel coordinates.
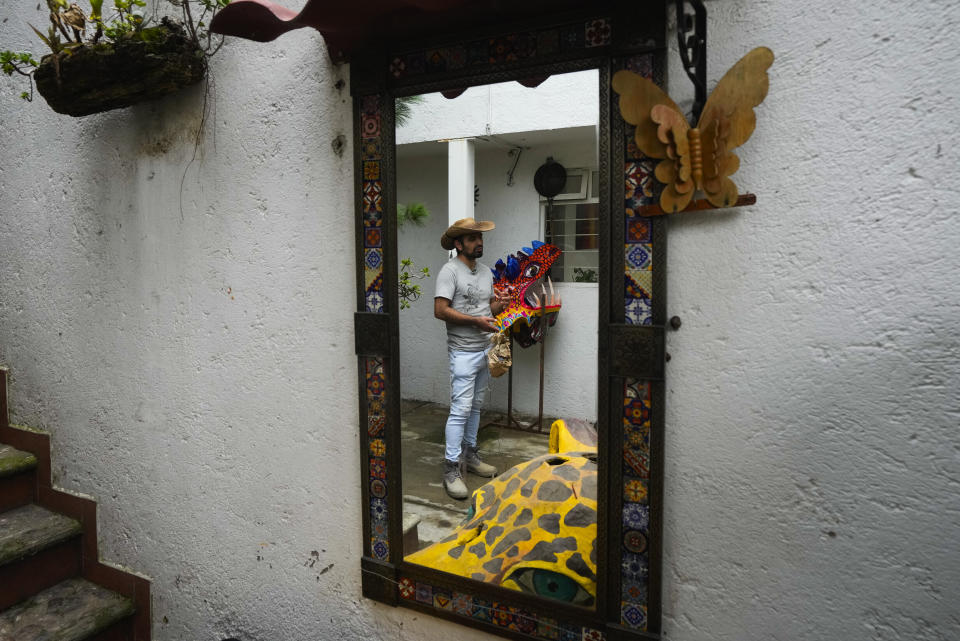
{"type": "Point", "coordinates": [473, 295]}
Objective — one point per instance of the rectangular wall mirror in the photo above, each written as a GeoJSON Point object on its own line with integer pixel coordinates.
{"type": "Point", "coordinates": [564, 541]}
{"type": "Point", "coordinates": [533, 528]}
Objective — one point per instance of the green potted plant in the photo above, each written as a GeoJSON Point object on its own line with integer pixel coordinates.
{"type": "Point", "coordinates": [100, 62]}
{"type": "Point", "coordinates": [415, 214]}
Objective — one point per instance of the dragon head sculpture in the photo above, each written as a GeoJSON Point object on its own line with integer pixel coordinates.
{"type": "Point", "coordinates": [519, 278]}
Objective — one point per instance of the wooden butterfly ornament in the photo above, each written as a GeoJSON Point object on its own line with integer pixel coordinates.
{"type": "Point", "coordinates": [698, 158]}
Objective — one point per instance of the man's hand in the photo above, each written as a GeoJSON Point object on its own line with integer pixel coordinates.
{"type": "Point", "coordinates": [485, 323]}
{"type": "Point", "coordinates": [443, 311]}
{"type": "Point", "coordinates": [499, 303]}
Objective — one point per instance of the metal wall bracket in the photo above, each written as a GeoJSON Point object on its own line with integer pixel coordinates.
{"type": "Point", "coordinates": [692, 39]}
{"type": "Point", "coordinates": [372, 334]}
{"type": "Point", "coordinates": [636, 351]}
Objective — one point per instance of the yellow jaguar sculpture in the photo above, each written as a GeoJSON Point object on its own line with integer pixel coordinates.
{"type": "Point", "coordinates": [533, 528]}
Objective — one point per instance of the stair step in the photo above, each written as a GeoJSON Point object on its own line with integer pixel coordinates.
{"type": "Point", "coordinates": [13, 461]}
{"type": "Point", "coordinates": [72, 610]}
{"type": "Point", "coordinates": [30, 529]}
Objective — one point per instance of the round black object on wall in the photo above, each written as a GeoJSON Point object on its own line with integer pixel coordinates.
{"type": "Point", "coordinates": [550, 179]}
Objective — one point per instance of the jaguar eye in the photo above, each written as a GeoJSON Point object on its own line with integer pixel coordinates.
{"type": "Point", "coordinates": [531, 271]}
{"type": "Point", "coordinates": [550, 584]}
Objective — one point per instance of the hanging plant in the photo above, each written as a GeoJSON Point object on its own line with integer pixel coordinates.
{"type": "Point", "coordinates": [97, 64]}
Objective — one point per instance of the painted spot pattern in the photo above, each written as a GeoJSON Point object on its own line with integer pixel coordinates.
{"type": "Point", "coordinates": [547, 549]}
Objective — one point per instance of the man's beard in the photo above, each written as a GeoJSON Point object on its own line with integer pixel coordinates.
{"type": "Point", "coordinates": [476, 253]}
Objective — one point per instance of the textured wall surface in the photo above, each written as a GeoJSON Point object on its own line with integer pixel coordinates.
{"type": "Point", "coordinates": [176, 323]}
{"type": "Point", "coordinates": [813, 459]}
{"type": "Point", "coordinates": [493, 109]}
{"type": "Point", "coordinates": [180, 342]}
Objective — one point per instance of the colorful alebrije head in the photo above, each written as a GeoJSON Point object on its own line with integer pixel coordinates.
{"type": "Point", "coordinates": [519, 278]}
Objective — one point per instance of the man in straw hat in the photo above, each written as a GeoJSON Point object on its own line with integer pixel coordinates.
{"type": "Point", "coordinates": [466, 302]}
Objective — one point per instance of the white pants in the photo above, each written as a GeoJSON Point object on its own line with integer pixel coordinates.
{"type": "Point", "coordinates": [469, 379]}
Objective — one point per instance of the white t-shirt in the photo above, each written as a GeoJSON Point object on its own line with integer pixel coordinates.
{"type": "Point", "coordinates": [469, 292]}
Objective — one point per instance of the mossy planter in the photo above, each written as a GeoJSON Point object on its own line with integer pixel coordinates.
{"type": "Point", "coordinates": [143, 66]}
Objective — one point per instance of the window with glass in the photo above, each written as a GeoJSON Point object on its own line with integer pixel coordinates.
{"type": "Point", "coordinates": [570, 223]}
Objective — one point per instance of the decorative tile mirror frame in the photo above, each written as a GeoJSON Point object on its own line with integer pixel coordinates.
{"type": "Point", "coordinates": [631, 312]}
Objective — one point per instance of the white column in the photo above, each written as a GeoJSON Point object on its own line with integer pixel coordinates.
{"type": "Point", "coordinates": [460, 179]}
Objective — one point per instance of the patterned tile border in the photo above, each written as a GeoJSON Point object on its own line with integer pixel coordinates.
{"type": "Point", "coordinates": [371, 146]}
{"type": "Point", "coordinates": [502, 615]}
{"type": "Point", "coordinates": [485, 52]}
{"type": "Point", "coordinates": [639, 263]}
{"type": "Point", "coordinates": [376, 456]}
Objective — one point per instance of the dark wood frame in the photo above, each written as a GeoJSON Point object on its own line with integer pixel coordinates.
{"type": "Point", "coordinates": [628, 354]}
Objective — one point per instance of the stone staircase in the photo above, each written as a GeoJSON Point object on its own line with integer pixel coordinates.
{"type": "Point", "coordinates": [53, 586]}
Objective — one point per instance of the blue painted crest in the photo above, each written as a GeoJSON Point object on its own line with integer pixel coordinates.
{"type": "Point", "coordinates": [513, 267]}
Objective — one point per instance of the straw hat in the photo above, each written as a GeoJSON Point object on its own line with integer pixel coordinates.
{"type": "Point", "coordinates": [461, 227]}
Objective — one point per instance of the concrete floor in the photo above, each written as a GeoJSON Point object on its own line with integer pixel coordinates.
{"type": "Point", "coordinates": [422, 425]}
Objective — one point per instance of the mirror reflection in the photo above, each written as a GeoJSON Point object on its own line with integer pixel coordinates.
{"type": "Point", "coordinates": [498, 191]}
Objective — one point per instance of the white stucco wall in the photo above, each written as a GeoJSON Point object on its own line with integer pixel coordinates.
{"type": "Point", "coordinates": [183, 363]}
{"type": "Point", "coordinates": [812, 417]}
{"type": "Point", "coordinates": [493, 109]}
{"type": "Point", "coordinates": [197, 370]}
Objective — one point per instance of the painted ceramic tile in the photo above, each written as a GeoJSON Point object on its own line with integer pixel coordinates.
{"type": "Point", "coordinates": [424, 593]}
{"type": "Point", "coordinates": [372, 237]}
{"type": "Point", "coordinates": [635, 541]}
{"type": "Point", "coordinates": [370, 125]}
{"type": "Point", "coordinates": [374, 293]}
{"type": "Point", "coordinates": [463, 604]}
{"type": "Point", "coordinates": [375, 424]}
{"type": "Point", "coordinates": [636, 463]}
{"type": "Point", "coordinates": [482, 609]}
{"type": "Point", "coordinates": [641, 65]}
{"type": "Point", "coordinates": [640, 184]}
{"type": "Point", "coordinates": [370, 149]}
{"type": "Point", "coordinates": [373, 258]}
{"type": "Point", "coordinates": [634, 567]}
{"type": "Point", "coordinates": [571, 633]}
{"type": "Point", "coordinates": [442, 599]}
{"type": "Point", "coordinates": [547, 629]}
{"type": "Point", "coordinates": [634, 490]}
{"type": "Point", "coordinates": [634, 615]}
{"type": "Point", "coordinates": [639, 256]}
{"type": "Point", "coordinates": [638, 230]}
{"type": "Point", "coordinates": [598, 33]}
{"type": "Point", "coordinates": [639, 283]}
{"type": "Point", "coordinates": [639, 311]}
{"type": "Point", "coordinates": [636, 388]}
{"type": "Point", "coordinates": [634, 591]}
{"type": "Point", "coordinates": [590, 634]}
